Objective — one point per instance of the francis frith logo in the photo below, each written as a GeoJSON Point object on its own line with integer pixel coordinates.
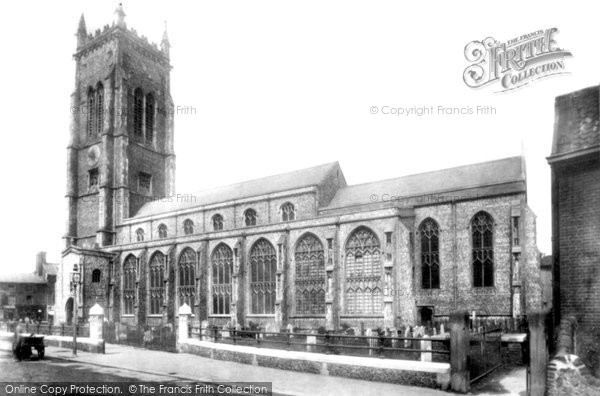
{"type": "Point", "coordinates": [516, 62]}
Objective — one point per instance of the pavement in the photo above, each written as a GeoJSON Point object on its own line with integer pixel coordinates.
{"type": "Point", "coordinates": [144, 364]}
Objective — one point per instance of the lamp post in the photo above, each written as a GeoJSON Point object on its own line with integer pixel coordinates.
{"type": "Point", "coordinates": [75, 278]}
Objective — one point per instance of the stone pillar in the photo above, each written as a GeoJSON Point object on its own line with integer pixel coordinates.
{"type": "Point", "coordinates": [185, 312]}
{"type": "Point", "coordinates": [330, 286]}
{"type": "Point", "coordinates": [96, 321]}
{"type": "Point", "coordinates": [280, 315]}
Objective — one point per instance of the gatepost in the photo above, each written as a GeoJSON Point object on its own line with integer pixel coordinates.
{"type": "Point", "coordinates": [459, 351]}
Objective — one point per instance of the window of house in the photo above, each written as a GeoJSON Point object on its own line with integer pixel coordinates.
{"type": "Point", "coordinates": [250, 217]}
{"type": "Point", "coordinates": [93, 176]}
{"type": "Point", "coordinates": [263, 267]}
{"type": "Point", "coordinates": [162, 231]}
{"type": "Point", "coordinates": [145, 183]}
{"type": "Point", "coordinates": [288, 212]}
{"type": "Point", "coordinates": [217, 221]}
{"type": "Point", "coordinates": [188, 227]}
{"type": "Point", "coordinates": [482, 231]}
{"type": "Point", "coordinates": [430, 254]}
{"type": "Point", "coordinates": [222, 267]}
{"type": "Point", "coordinates": [96, 274]}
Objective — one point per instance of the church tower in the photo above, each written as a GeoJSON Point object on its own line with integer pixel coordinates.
{"type": "Point", "coordinates": [120, 151]}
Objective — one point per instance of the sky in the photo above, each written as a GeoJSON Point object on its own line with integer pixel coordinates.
{"type": "Point", "coordinates": [283, 85]}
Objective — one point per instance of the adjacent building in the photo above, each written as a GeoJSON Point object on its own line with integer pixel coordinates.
{"type": "Point", "coordinates": [575, 165]}
{"type": "Point", "coordinates": [301, 248]}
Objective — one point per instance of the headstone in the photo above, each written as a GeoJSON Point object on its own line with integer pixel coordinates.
{"type": "Point", "coordinates": [96, 319]}
{"type": "Point", "coordinates": [204, 332]}
{"type": "Point", "coordinates": [407, 335]}
{"type": "Point", "coordinates": [290, 328]}
{"type": "Point", "coordinates": [442, 329]}
{"type": "Point", "coordinates": [369, 333]}
{"type": "Point", "coordinates": [311, 341]}
{"type": "Point", "coordinates": [394, 334]}
{"type": "Point", "coordinates": [426, 345]}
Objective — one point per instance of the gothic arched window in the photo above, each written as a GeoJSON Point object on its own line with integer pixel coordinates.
{"type": "Point", "coordinates": [482, 231]}
{"type": "Point", "coordinates": [288, 212]}
{"type": "Point", "coordinates": [363, 273]}
{"type": "Point", "coordinates": [139, 235]}
{"type": "Point", "coordinates": [162, 231]}
{"type": "Point", "coordinates": [91, 111]}
{"type": "Point", "coordinates": [263, 267]}
{"type": "Point", "coordinates": [429, 232]}
{"type": "Point", "coordinates": [138, 108]}
{"type": "Point", "coordinates": [250, 217]}
{"type": "Point", "coordinates": [222, 267]}
{"type": "Point", "coordinates": [187, 280]}
{"type": "Point", "coordinates": [96, 274]}
{"type": "Point", "coordinates": [217, 221]}
{"type": "Point", "coordinates": [149, 118]}
{"type": "Point", "coordinates": [188, 227]}
{"type": "Point", "coordinates": [99, 119]}
{"type": "Point", "coordinates": [309, 260]}
{"type": "Point", "coordinates": [129, 286]}
{"type": "Point", "coordinates": [156, 280]}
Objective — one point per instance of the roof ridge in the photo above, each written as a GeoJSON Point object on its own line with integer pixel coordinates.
{"type": "Point", "coordinates": [433, 171]}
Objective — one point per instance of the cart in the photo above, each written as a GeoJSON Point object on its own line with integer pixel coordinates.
{"type": "Point", "coordinates": [24, 344]}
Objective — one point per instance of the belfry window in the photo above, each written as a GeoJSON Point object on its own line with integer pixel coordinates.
{"type": "Point", "coordinates": [149, 118]}
{"type": "Point", "coordinates": [93, 176]}
{"type": "Point", "coordinates": [144, 183]}
{"type": "Point", "coordinates": [91, 111]}
{"type": "Point", "coordinates": [430, 254]}
{"type": "Point", "coordinates": [482, 231]}
{"type": "Point", "coordinates": [138, 108]}
{"type": "Point", "coordinates": [99, 117]}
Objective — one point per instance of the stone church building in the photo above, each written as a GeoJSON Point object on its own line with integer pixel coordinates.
{"type": "Point", "coordinates": [302, 247]}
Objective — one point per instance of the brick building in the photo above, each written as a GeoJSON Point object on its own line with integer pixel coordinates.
{"type": "Point", "coordinates": [29, 295]}
{"type": "Point", "coordinates": [575, 165]}
{"type": "Point", "coordinates": [301, 247]}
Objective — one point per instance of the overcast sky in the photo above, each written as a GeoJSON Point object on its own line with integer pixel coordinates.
{"type": "Point", "coordinates": [281, 85]}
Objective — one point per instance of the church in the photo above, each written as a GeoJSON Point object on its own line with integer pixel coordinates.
{"type": "Point", "coordinates": [301, 248]}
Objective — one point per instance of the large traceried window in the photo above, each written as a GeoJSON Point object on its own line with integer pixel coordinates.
{"type": "Point", "coordinates": [187, 279]}
{"type": "Point", "coordinates": [482, 231]}
{"type": "Point", "coordinates": [430, 254]}
{"type": "Point", "coordinates": [149, 118]}
{"type": "Point", "coordinates": [310, 276]}
{"type": "Point", "coordinates": [263, 269]}
{"type": "Point", "coordinates": [156, 281]}
{"type": "Point", "coordinates": [129, 286]}
{"type": "Point", "coordinates": [138, 112]}
{"type": "Point", "coordinates": [217, 221]}
{"type": "Point", "coordinates": [222, 267]}
{"type": "Point", "coordinates": [250, 217]}
{"type": "Point", "coordinates": [288, 212]}
{"type": "Point", "coordinates": [363, 273]}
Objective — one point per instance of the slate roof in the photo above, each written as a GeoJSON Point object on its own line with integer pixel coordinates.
{"type": "Point", "coordinates": [314, 176]}
{"type": "Point", "coordinates": [505, 175]}
{"type": "Point", "coordinates": [21, 278]}
{"type": "Point", "coordinates": [577, 121]}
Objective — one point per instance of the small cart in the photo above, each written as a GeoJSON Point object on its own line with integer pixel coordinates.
{"type": "Point", "coordinates": [24, 344]}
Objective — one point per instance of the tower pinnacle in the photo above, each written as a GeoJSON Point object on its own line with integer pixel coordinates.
{"type": "Point", "coordinates": [165, 46]}
{"type": "Point", "coordinates": [81, 32]}
{"type": "Point", "coordinates": [119, 18]}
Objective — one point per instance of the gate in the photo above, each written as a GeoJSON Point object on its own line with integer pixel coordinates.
{"type": "Point", "coordinates": [484, 352]}
{"type": "Point", "coordinates": [151, 337]}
